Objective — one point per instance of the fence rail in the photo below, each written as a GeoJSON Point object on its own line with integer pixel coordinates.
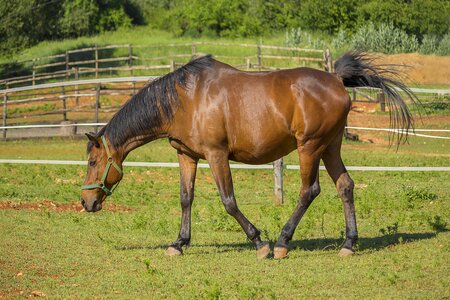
{"type": "Point", "coordinates": [70, 68]}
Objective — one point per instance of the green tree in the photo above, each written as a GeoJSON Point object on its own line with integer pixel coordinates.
{"type": "Point", "coordinates": [328, 15]}
{"type": "Point", "coordinates": [79, 18]}
{"type": "Point", "coordinates": [218, 18]}
{"type": "Point", "coordinates": [25, 22]}
{"type": "Point", "coordinates": [428, 17]}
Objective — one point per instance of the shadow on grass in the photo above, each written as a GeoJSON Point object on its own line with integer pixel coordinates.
{"type": "Point", "coordinates": [373, 243]}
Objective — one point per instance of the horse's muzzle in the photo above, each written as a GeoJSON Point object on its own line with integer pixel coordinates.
{"type": "Point", "coordinates": [92, 207]}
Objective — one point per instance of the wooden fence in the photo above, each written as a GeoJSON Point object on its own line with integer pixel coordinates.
{"type": "Point", "coordinates": [94, 61]}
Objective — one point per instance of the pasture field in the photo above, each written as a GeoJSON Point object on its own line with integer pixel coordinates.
{"type": "Point", "coordinates": [48, 247]}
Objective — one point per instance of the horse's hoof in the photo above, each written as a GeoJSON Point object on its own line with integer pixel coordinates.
{"type": "Point", "coordinates": [280, 252]}
{"type": "Point", "coordinates": [263, 251]}
{"type": "Point", "coordinates": [172, 251]}
{"type": "Point", "coordinates": [346, 252]}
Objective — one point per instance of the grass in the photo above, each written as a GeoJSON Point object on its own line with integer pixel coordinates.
{"type": "Point", "coordinates": [403, 222]}
{"type": "Point", "coordinates": [418, 152]}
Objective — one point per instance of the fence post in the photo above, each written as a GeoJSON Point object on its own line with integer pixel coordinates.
{"type": "Point", "coordinates": [278, 181]}
{"type": "Point", "coordinates": [97, 104]}
{"type": "Point", "coordinates": [258, 55]}
{"type": "Point", "coordinates": [382, 100]}
{"type": "Point", "coordinates": [330, 61]}
{"type": "Point", "coordinates": [327, 61]}
{"type": "Point", "coordinates": [76, 87]}
{"type": "Point", "coordinates": [172, 65]}
{"type": "Point", "coordinates": [133, 85]}
{"type": "Point", "coordinates": [248, 64]}
{"type": "Point", "coordinates": [63, 93]}
{"type": "Point", "coordinates": [67, 65]}
{"type": "Point", "coordinates": [130, 59]}
{"type": "Point", "coordinates": [5, 107]}
{"type": "Point", "coordinates": [96, 61]}
{"type": "Point", "coordinates": [194, 50]}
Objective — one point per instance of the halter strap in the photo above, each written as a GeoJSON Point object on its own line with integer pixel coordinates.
{"type": "Point", "coordinates": [109, 163]}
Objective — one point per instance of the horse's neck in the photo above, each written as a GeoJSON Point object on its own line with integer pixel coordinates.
{"type": "Point", "coordinates": [138, 141]}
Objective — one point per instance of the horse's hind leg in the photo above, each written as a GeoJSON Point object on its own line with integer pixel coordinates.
{"type": "Point", "coordinates": [344, 186]}
{"type": "Point", "coordinates": [220, 168]}
{"type": "Point", "coordinates": [309, 171]}
{"type": "Point", "coordinates": [188, 168]}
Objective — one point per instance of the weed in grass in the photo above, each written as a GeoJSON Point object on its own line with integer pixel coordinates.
{"type": "Point", "coordinates": [211, 291]}
{"type": "Point", "coordinates": [414, 193]}
{"type": "Point", "coordinates": [390, 229]}
{"type": "Point", "coordinates": [150, 269]}
{"type": "Point", "coordinates": [437, 223]}
{"type": "Point", "coordinates": [140, 221]}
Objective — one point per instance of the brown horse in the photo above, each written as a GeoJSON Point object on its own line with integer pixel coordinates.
{"type": "Point", "coordinates": [210, 110]}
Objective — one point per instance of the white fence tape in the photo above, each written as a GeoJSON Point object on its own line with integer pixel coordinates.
{"type": "Point", "coordinates": [409, 132]}
{"type": "Point", "coordinates": [233, 166]}
{"type": "Point", "coordinates": [348, 127]}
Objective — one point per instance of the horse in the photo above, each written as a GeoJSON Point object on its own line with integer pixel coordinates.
{"type": "Point", "coordinates": [210, 110]}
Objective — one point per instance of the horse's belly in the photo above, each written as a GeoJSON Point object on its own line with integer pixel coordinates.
{"type": "Point", "coordinates": [262, 153]}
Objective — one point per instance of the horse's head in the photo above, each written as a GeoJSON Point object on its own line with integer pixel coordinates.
{"type": "Point", "coordinates": [103, 174]}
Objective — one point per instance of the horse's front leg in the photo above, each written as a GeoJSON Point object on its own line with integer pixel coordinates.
{"type": "Point", "coordinates": [188, 168]}
{"type": "Point", "coordinates": [220, 168]}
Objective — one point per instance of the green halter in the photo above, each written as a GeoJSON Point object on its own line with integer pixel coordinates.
{"type": "Point", "coordinates": [102, 184]}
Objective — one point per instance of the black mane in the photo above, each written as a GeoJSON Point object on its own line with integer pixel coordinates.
{"type": "Point", "coordinates": [153, 105]}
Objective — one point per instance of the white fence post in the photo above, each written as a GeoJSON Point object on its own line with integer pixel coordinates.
{"type": "Point", "coordinates": [278, 181]}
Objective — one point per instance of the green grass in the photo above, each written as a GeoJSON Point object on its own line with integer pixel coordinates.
{"type": "Point", "coordinates": [418, 152]}
{"type": "Point", "coordinates": [403, 220]}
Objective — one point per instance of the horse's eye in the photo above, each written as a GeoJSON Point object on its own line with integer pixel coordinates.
{"type": "Point", "coordinates": [92, 163]}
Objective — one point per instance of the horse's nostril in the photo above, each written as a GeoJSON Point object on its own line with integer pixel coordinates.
{"type": "Point", "coordinates": [96, 206]}
{"type": "Point", "coordinates": [83, 202]}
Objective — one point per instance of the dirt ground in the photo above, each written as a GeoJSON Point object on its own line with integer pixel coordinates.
{"type": "Point", "coordinates": [421, 69]}
{"type": "Point", "coordinates": [59, 207]}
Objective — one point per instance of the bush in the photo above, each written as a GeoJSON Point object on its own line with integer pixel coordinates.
{"type": "Point", "coordinates": [384, 38]}
{"type": "Point", "coordinates": [328, 15]}
{"type": "Point", "coordinates": [215, 18]}
{"type": "Point", "coordinates": [430, 44]}
{"type": "Point", "coordinates": [79, 18]}
{"type": "Point", "coordinates": [444, 45]}
{"type": "Point", "coordinates": [296, 37]}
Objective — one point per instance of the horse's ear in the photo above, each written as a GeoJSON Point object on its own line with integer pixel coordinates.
{"type": "Point", "coordinates": [93, 138]}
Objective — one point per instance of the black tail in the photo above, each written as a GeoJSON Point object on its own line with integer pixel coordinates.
{"type": "Point", "coordinates": [357, 69]}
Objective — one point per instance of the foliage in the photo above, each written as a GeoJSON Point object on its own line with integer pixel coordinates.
{"type": "Point", "coordinates": [215, 18]}
{"type": "Point", "coordinates": [328, 16]}
{"type": "Point", "coordinates": [444, 45]}
{"type": "Point", "coordinates": [297, 37]}
{"type": "Point", "coordinates": [27, 22]}
{"type": "Point", "coordinates": [384, 38]}
{"type": "Point", "coordinates": [414, 193]}
{"type": "Point", "coordinates": [24, 23]}
{"type": "Point", "coordinates": [79, 18]}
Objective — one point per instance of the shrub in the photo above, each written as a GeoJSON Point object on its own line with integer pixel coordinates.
{"type": "Point", "coordinates": [297, 37]}
{"type": "Point", "coordinates": [430, 44]}
{"type": "Point", "coordinates": [444, 45]}
{"type": "Point", "coordinates": [384, 38]}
